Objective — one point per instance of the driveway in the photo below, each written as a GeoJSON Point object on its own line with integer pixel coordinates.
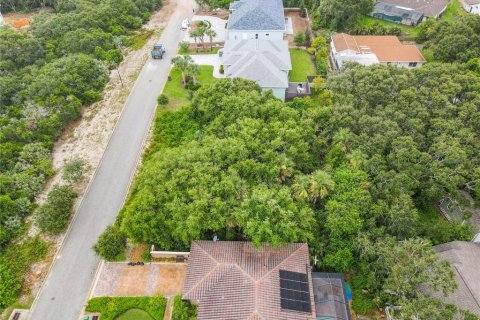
{"type": "Point", "coordinates": [120, 279]}
{"type": "Point", "coordinates": [67, 285]}
{"type": "Point", "coordinates": [209, 60]}
{"type": "Point", "coordinates": [218, 25]}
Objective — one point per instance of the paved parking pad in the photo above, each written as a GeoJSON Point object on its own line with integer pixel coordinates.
{"type": "Point", "coordinates": [120, 279]}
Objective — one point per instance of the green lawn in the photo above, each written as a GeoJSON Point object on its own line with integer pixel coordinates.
{"type": "Point", "coordinates": [453, 10]}
{"type": "Point", "coordinates": [135, 314]}
{"type": "Point", "coordinates": [302, 65]}
{"type": "Point", "coordinates": [177, 95]}
{"type": "Point", "coordinates": [407, 30]}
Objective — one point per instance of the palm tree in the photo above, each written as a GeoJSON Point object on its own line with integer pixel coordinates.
{"type": "Point", "coordinates": [193, 70]}
{"type": "Point", "coordinates": [195, 34]}
{"type": "Point", "coordinates": [321, 183]}
{"type": "Point", "coordinates": [183, 63]}
{"type": "Point", "coordinates": [300, 187]}
{"type": "Point", "coordinates": [202, 31]}
{"type": "Point", "coordinates": [211, 34]}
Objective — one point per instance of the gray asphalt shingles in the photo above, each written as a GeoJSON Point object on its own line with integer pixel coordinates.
{"type": "Point", "coordinates": [257, 15]}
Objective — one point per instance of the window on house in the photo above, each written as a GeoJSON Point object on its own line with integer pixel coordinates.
{"type": "Point", "coordinates": [256, 36]}
{"type": "Point", "coordinates": [268, 34]}
{"type": "Point", "coordinates": [412, 64]}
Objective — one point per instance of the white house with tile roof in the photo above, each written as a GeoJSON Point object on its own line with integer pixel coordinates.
{"type": "Point", "coordinates": [256, 19]}
{"type": "Point", "coordinates": [266, 62]}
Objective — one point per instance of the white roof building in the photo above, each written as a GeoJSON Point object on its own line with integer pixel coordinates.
{"type": "Point", "coordinates": [266, 62]}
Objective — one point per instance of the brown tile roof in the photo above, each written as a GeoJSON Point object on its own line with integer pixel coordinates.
{"type": "Point", "coordinates": [386, 48]}
{"type": "Point", "coordinates": [235, 280]}
{"type": "Point", "coordinates": [430, 8]}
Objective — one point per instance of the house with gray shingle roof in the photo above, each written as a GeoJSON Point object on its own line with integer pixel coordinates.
{"type": "Point", "coordinates": [266, 62]}
{"type": "Point", "coordinates": [256, 19]}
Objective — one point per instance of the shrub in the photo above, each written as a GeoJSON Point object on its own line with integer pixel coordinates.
{"type": "Point", "coordinates": [192, 86]}
{"type": "Point", "coordinates": [112, 307]}
{"type": "Point", "coordinates": [183, 310]}
{"type": "Point", "coordinates": [222, 69]}
{"type": "Point", "coordinates": [73, 170]}
{"type": "Point", "coordinates": [10, 285]}
{"type": "Point", "coordinates": [303, 12]}
{"type": "Point", "coordinates": [184, 45]}
{"type": "Point", "coordinates": [53, 216]}
{"type": "Point", "coordinates": [162, 100]}
{"type": "Point", "coordinates": [14, 263]}
{"type": "Point", "coordinates": [299, 39]}
{"type": "Point", "coordinates": [308, 37]}
{"type": "Point", "coordinates": [111, 243]}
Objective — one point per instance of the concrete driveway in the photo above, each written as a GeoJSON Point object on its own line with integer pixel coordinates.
{"type": "Point", "coordinates": [218, 25]}
{"type": "Point", "coordinates": [68, 283]}
{"type": "Point", "coordinates": [209, 60]}
{"type": "Point", "coordinates": [120, 280]}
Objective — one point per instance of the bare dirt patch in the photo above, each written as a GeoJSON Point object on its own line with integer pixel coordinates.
{"type": "Point", "coordinates": [120, 279]}
{"type": "Point", "coordinates": [222, 14]}
{"type": "Point", "coordinates": [299, 24]}
{"type": "Point", "coordinates": [21, 21]}
{"type": "Point", "coordinates": [88, 137]}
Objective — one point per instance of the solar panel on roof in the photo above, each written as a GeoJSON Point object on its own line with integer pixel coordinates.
{"type": "Point", "coordinates": [295, 276]}
{"type": "Point", "coordinates": [294, 285]}
{"type": "Point", "coordinates": [294, 291]}
{"type": "Point", "coordinates": [295, 295]}
{"type": "Point", "coordinates": [295, 305]}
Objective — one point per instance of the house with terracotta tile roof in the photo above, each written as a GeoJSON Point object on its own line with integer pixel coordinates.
{"type": "Point", "coordinates": [369, 50]}
{"type": "Point", "coordinates": [234, 280]}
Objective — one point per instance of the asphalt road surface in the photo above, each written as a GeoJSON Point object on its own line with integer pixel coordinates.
{"type": "Point", "coordinates": [65, 290]}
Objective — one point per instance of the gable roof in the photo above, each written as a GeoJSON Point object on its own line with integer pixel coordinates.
{"type": "Point", "coordinates": [396, 11]}
{"type": "Point", "coordinates": [266, 62]}
{"type": "Point", "coordinates": [257, 15]}
{"type": "Point", "coordinates": [465, 260]}
{"type": "Point", "coordinates": [430, 8]}
{"type": "Point", "coordinates": [235, 280]}
{"type": "Point", "coordinates": [386, 48]}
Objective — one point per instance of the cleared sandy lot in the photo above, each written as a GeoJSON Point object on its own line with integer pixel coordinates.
{"type": "Point", "coordinates": [120, 279]}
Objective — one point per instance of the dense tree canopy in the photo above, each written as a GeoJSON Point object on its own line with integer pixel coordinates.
{"type": "Point", "coordinates": [46, 75]}
{"type": "Point", "coordinates": [350, 172]}
{"type": "Point", "coordinates": [452, 41]}
{"type": "Point", "coordinates": [342, 14]}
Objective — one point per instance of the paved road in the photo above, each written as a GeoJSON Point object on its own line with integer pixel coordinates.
{"type": "Point", "coordinates": [67, 285]}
